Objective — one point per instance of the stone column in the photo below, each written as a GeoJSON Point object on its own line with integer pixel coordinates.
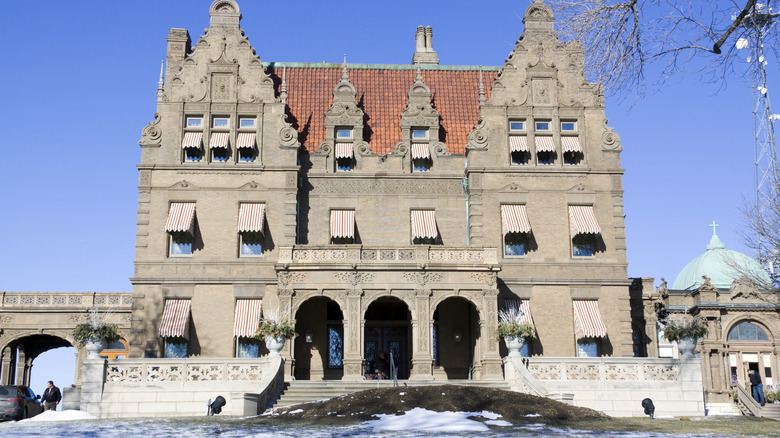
{"type": "Point", "coordinates": [422, 359]}
{"type": "Point", "coordinates": [6, 367]}
{"type": "Point", "coordinates": [285, 299]}
{"type": "Point", "coordinates": [21, 365]}
{"type": "Point", "coordinates": [488, 322]}
{"type": "Point", "coordinates": [353, 339]}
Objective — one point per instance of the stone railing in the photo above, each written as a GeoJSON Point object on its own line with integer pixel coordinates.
{"type": "Point", "coordinates": [186, 370]}
{"type": "Point", "coordinates": [607, 369]}
{"type": "Point", "coordinates": [79, 300]}
{"type": "Point", "coordinates": [353, 254]}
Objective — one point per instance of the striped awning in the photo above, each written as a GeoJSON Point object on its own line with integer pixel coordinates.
{"type": "Point", "coordinates": [424, 224]}
{"type": "Point", "coordinates": [587, 320]}
{"type": "Point", "coordinates": [219, 140]}
{"type": "Point", "coordinates": [570, 144]}
{"type": "Point", "coordinates": [514, 219]}
{"type": "Point", "coordinates": [175, 319]}
{"type": "Point", "coordinates": [247, 319]}
{"type": "Point", "coordinates": [192, 140]}
{"type": "Point", "coordinates": [342, 223]}
{"type": "Point", "coordinates": [245, 140]}
{"type": "Point", "coordinates": [343, 150]}
{"type": "Point", "coordinates": [251, 217]}
{"type": "Point", "coordinates": [181, 217]}
{"type": "Point", "coordinates": [420, 150]}
{"type": "Point", "coordinates": [544, 143]}
{"type": "Point", "coordinates": [518, 143]}
{"type": "Point", "coordinates": [524, 307]}
{"type": "Point", "coordinates": [582, 220]}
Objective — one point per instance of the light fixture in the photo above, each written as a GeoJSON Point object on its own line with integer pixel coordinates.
{"type": "Point", "coordinates": [309, 336]}
{"type": "Point", "coordinates": [458, 335]}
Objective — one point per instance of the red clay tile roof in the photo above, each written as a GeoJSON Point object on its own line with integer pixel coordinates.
{"type": "Point", "coordinates": [381, 92]}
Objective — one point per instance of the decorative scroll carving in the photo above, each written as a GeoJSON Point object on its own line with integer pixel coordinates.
{"type": "Point", "coordinates": [325, 148]}
{"type": "Point", "coordinates": [439, 148]}
{"type": "Point", "coordinates": [5, 319]}
{"type": "Point", "coordinates": [288, 136]}
{"type": "Point", "coordinates": [164, 373]}
{"type": "Point", "coordinates": [200, 373]}
{"type": "Point", "coordinates": [245, 373]}
{"type": "Point", "coordinates": [609, 139]}
{"type": "Point", "coordinates": [401, 148]}
{"type": "Point", "coordinates": [152, 134]}
{"type": "Point", "coordinates": [478, 137]}
{"type": "Point", "coordinates": [660, 372]}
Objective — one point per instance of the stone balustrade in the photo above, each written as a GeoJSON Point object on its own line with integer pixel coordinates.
{"type": "Point", "coordinates": [615, 369]}
{"type": "Point", "coordinates": [185, 370]}
{"type": "Point", "coordinates": [357, 254]}
{"type": "Point", "coordinates": [78, 300]}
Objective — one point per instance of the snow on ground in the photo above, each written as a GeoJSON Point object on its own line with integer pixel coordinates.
{"type": "Point", "coordinates": [424, 420]}
{"type": "Point", "coordinates": [68, 415]}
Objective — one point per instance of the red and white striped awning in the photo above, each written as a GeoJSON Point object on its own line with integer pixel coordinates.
{"type": "Point", "coordinates": [181, 217]}
{"type": "Point", "coordinates": [518, 143]}
{"type": "Point", "coordinates": [251, 217]}
{"type": "Point", "coordinates": [175, 319]}
{"type": "Point", "coordinates": [247, 319]}
{"type": "Point", "coordinates": [343, 150]}
{"type": "Point", "coordinates": [245, 140]}
{"type": "Point", "coordinates": [192, 140]}
{"type": "Point", "coordinates": [582, 220]}
{"type": "Point", "coordinates": [424, 224]}
{"type": "Point", "coordinates": [524, 307]}
{"type": "Point", "coordinates": [219, 140]}
{"type": "Point", "coordinates": [420, 150]}
{"type": "Point", "coordinates": [342, 224]}
{"type": "Point", "coordinates": [544, 143]}
{"type": "Point", "coordinates": [587, 320]}
{"type": "Point", "coordinates": [570, 144]}
{"type": "Point", "coordinates": [514, 219]}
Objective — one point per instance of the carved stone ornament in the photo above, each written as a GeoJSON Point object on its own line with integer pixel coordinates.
{"type": "Point", "coordinates": [152, 134]}
{"type": "Point", "coordinates": [325, 147]}
{"type": "Point", "coordinates": [354, 278]}
{"type": "Point", "coordinates": [288, 136]}
{"type": "Point", "coordinates": [662, 290]}
{"type": "Point", "coordinates": [610, 141]}
{"type": "Point", "coordinates": [478, 137]}
{"type": "Point", "coordinates": [439, 148]}
{"type": "Point", "coordinates": [422, 278]}
{"type": "Point", "coordinates": [401, 148]}
{"type": "Point", "coordinates": [363, 148]}
{"type": "Point", "coordinates": [284, 278]}
{"type": "Point", "coordinates": [744, 288]}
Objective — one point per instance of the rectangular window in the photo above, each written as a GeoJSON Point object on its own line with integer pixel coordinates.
{"type": "Point", "coordinates": [542, 126]}
{"type": "Point", "coordinates": [194, 122]}
{"type": "Point", "coordinates": [588, 349]}
{"type": "Point", "coordinates": [221, 123]}
{"type": "Point", "coordinates": [582, 245]}
{"type": "Point", "coordinates": [248, 348]}
{"type": "Point", "coordinates": [516, 125]}
{"type": "Point", "coordinates": [421, 164]}
{"type": "Point", "coordinates": [419, 134]}
{"type": "Point", "coordinates": [343, 133]}
{"type": "Point", "coordinates": [251, 223]}
{"type": "Point", "coordinates": [251, 244]}
{"type": "Point", "coordinates": [247, 122]}
{"type": "Point", "coordinates": [515, 244]}
{"type": "Point", "coordinates": [175, 349]}
{"type": "Point", "coordinates": [192, 154]}
{"type": "Point", "coordinates": [181, 243]}
{"type": "Point", "coordinates": [335, 346]}
{"type": "Point", "coordinates": [220, 155]}
{"type": "Point", "coordinates": [568, 126]}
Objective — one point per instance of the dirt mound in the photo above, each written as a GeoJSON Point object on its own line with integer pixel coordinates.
{"type": "Point", "coordinates": [362, 406]}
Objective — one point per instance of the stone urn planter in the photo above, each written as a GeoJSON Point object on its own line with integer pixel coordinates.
{"type": "Point", "coordinates": [274, 344]}
{"type": "Point", "coordinates": [94, 346]}
{"type": "Point", "coordinates": [514, 344]}
{"type": "Point", "coordinates": [687, 344]}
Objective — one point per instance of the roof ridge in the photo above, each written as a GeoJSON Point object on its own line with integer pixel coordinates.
{"type": "Point", "coordinates": [276, 64]}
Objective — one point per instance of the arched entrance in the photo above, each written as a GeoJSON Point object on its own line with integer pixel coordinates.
{"type": "Point", "coordinates": [455, 336]}
{"type": "Point", "coordinates": [18, 356]}
{"type": "Point", "coordinates": [319, 347]}
{"type": "Point", "coordinates": [387, 329]}
{"type": "Point", "coordinates": [750, 347]}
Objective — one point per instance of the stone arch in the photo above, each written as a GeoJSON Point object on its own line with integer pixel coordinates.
{"type": "Point", "coordinates": [21, 347]}
{"type": "Point", "coordinates": [301, 297]}
{"type": "Point", "coordinates": [457, 336]}
{"type": "Point", "coordinates": [752, 319]}
{"type": "Point", "coordinates": [371, 297]}
{"type": "Point", "coordinates": [471, 297]}
{"type": "Point", "coordinates": [320, 329]}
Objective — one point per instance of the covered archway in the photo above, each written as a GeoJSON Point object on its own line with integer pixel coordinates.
{"type": "Point", "coordinates": [455, 335]}
{"type": "Point", "coordinates": [319, 347]}
{"type": "Point", "coordinates": [387, 329]}
{"type": "Point", "coordinates": [17, 356]}
{"type": "Point", "coordinates": [750, 347]}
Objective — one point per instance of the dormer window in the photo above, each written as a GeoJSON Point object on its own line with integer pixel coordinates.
{"type": "Point", "coordinates": [344, 155]}
{"type": "Point", "coordinates": [221, 123]}
{"type": "Point", "coordinates": [343, 133]}
{"type": "Point", "coordinates": [194, 122]}
{"type": "Point", "coordinates": [421, 154]}
{"type": "Point", "coordinates": [419, 135]}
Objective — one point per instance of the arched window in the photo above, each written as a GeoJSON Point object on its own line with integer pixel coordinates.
{"type": "Point", "coordinates": [747, 331]}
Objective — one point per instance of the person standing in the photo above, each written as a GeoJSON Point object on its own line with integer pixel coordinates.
{"type": "Point", "coordinates": [758, 387]}
{"type": "Point", "coordinates": [51, 397]}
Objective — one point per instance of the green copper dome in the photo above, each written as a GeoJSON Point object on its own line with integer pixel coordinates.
{"type": "Point", "coordinates": [721, 265]}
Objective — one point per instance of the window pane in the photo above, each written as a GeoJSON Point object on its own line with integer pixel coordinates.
{"type": "Point", "coordinates": [516, 126]}
{"type": "Point", "coordinates": [335, 347]}
{"type": "Point", "coordinates": [247, 123]}
{"type": "Point", "coordinates": [251, 249]}
{"type": "Point", "coordinates": [220, 154]}
{"type": "Point", "coordinates": [542, 126]}
{"type": "Point", "coordinates": [420, 134]}
{"type": "Point", "coordinates": [179, 247]}
{"type": "Point", "coordinates": [343, 133]}
{"type": "Point", "coordinates": [344, 164]}
{"type": "Point", "coordinates": [248, 349]}
{"type": "Point", "coordinates": [514, 244]}
{"type": "Point", "coordinates": [246, 154]}
{"type": "Point", "coordinates": [587, 350]}
{"type": "Point", "coordinates": [194, 122]}
{"type": "Point", "coordinates": [421, 164]}
{"type": "Point", "coordinates": [221, 122]}
{"type": "Point", "coordinates": [568, 126]}
{"type": "Point", "coordinates": [435, 345]}
{"type": "Point", "coordinates": [176, 350]}
{"type": "Point", "coordinates": [192, 154]}
{"type": "Point", "coordinates": [747, 331]}
{"type": "Point", "coordinates": [582, 245]}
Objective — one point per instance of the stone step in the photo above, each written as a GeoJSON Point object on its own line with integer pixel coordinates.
{"type": "Point", "coordinates": [303, 391]}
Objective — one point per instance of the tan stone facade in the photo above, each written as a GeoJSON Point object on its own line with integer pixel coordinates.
{"type": "Point", "coordinates": [434, 302]}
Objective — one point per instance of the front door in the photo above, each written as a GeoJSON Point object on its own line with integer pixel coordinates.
{"type": "Point", "coordinates": [384, 340]}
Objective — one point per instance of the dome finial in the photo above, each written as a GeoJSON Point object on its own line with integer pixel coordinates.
{"type": "Point", "coordinates": [715, 242]}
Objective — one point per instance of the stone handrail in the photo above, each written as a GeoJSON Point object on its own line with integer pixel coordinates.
{"type": "Point", "coordinates": [187, 370]}
{"type": "Point", "coordinates": [422, 254]}
{"type": "Point", "coordinates": [79, 300]}
{"type": "Point", "coordinates": [746, 399]}
{"type": "Point", "coordinates": [603, 369]}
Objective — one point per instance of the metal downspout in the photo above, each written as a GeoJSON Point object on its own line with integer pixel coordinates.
{"type": "Point", "coordinates": [466, 191]}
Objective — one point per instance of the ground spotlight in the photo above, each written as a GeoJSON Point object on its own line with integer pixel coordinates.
{"type": "Point", "coordinates": [216, 407]}
{"type": "Point", "coordinates": [649, 407]}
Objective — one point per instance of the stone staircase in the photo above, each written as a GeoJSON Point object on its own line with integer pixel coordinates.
{"type": "Point", "coordinates": [748, 406]}
{"type": "Point", "coordinates": [303, 391]}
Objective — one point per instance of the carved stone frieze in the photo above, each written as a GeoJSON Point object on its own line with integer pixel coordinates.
{"type": "Point", "coordinates": [286, 277]}
{"type": "Point", "coordinates": [488, 278]}
{"type": "Point", "coordinates": [387, 187]}
{"type": "Point", "coordinates": [422, 278]}
{"type": "Point", "coordinates": [354, 278]}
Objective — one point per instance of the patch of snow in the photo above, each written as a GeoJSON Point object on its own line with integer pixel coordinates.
{"type": "Point", "coordinates": [501, 423]}
{"type": "Point", "coordinates": [403, 393]}
{"type": "Point", "coordinates": [297, 411]}
{"type": "Point", "coordinates": [423, 419]}
{"type": "Point", "coordinates": [486, 414]}
{"type": "Point", "coordinates": [443, 393]}
{"type": "Point", "coordinates": [533, 415]}
{"type": "Point", "coordinates": [67, 415]}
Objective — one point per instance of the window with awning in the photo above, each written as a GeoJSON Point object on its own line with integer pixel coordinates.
{"type": "Point", "coordinates": [424, 229]}
{"type": "Point", "coordinates": [570, 144]}
{"type": "Point", "coordinates": [544, 143]}
{"type": "Point", "coordinates": [246, 145]}
{"type": "Point", "coordinates": [515, 227]}
{"type": "Point", "coordinates": [180, 227]}
{"type": "Point", "coordinates": [175, 319]}
{"type": "Point", "coordinates": [345, 159]}
{"type": "Point", "coordinates": [518, 143]}
{"type": "Point", "coordinates": [247, 317]}
{"type": "Point", "coordinates": [587, 320]}
{"type": "Point", "coordinates": [251, 223]}
{"type": "Point", "coordinates": [342, 226]}
{"type": "Point", "coordinates": [191, 144]}
{"type": "Point", "coordinates": [582, 220]}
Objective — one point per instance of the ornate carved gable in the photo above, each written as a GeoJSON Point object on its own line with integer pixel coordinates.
{"type": "Point", "coordinates": [420, 113]}
{"type": "Point", "coordinates": [223, 67]}
{"type": "Point", "coordinates": [344, 112]}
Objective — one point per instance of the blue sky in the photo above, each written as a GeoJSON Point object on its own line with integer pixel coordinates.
{"type": "Point", "coordinates": [79, 81]}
